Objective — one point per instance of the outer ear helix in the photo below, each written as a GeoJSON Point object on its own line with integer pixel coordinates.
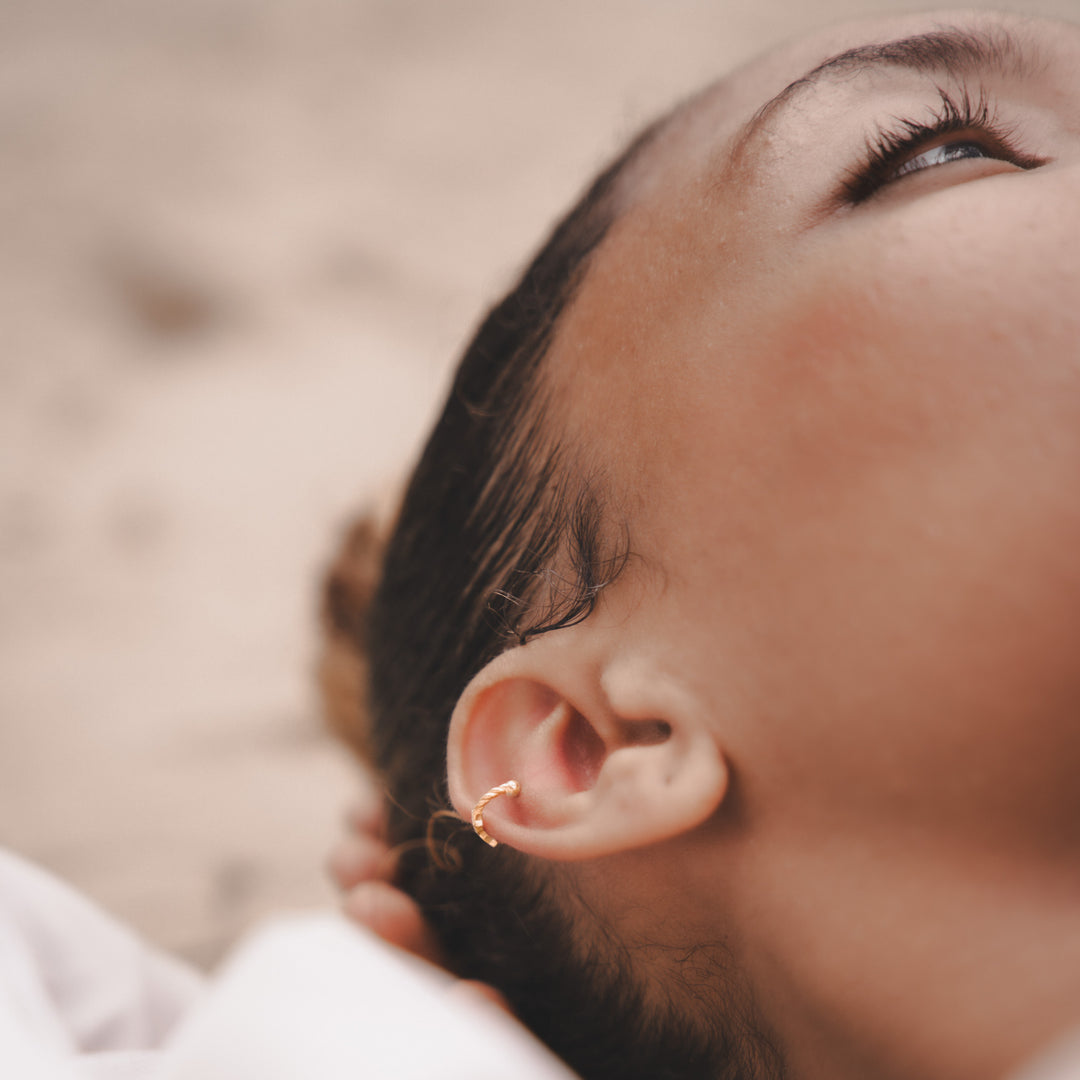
{"type": "Point", "coordinates": [511, 788]}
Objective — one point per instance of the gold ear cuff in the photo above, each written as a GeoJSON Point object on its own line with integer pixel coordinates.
{"type": "Point", "coordinates": [511, 788]}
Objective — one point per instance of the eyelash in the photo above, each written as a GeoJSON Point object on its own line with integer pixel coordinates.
{"type": "Point", "coordinates": [887, 151]}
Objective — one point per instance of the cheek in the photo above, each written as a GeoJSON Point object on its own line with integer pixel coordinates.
{"type": "Point", "coordinates": [942, 347]}
{"type": "Point", "coordinates": [913, 566]}
{"type": "Point", "coordinates": [972, 274]}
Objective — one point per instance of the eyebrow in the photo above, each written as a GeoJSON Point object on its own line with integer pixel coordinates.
{"type": "Point", "coordinates": [951, 52]}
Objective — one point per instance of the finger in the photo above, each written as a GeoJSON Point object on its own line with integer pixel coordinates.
{"type": "Point", "coordinates": [359, 858]}
{"type": "Point", "coordinates": [395, 917]}
{"type": "Point", "coordinates": [470, 989]}
{"type": "Point", "coordinates": [366, 812]}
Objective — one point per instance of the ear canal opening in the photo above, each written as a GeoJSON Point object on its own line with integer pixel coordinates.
{"type": "Point", "coordinates": [645, 732]}
{"type": "Point", "coordinates": [583, 752]}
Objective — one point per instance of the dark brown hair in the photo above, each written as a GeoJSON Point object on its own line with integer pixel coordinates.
{"type": "Point", "coordinates": [504, 533]}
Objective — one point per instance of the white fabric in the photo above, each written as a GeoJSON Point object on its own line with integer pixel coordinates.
{"type": "Point", "coordinates": [1061, 1062]}
{"type": "Point", "coordinates": [310, 998]}
{"type": "Point", "coordinates": [75, 985]}
{"type": "Point", "coordinates": [313, 997]}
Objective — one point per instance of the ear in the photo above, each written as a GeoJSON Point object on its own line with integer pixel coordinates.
{"type": "Point", "coordinates": [609, 756]}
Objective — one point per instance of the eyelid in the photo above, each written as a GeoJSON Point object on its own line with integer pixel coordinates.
{"type": "Point", "coordinates": [960, 115]}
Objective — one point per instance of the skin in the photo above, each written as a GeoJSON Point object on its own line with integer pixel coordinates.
{"type": "Point", "coordinates": [847, 441]}
{"type": "Point", "coordinates": [869, 578]}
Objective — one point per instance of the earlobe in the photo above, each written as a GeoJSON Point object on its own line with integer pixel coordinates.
{"type": "Point", "coordinates": [607, 759]}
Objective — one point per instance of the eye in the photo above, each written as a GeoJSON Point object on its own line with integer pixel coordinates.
{"type": "Point", "coordinates": [910, 146]}
{"type": "Point", "coordinates": [943, 155]}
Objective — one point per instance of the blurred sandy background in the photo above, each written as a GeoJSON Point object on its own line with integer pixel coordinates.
{"type": "Point", "coordinates": [242, 242]}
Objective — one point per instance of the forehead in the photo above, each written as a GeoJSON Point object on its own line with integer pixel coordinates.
{"type": "Point", "coordinates": [712, 123]}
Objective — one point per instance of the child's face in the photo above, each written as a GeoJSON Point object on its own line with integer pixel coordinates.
{"type": "Point", "coordinates": [846, 399]}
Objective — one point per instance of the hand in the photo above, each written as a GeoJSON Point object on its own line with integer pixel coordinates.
{"type": "Point", "coordinates": [362, 866]}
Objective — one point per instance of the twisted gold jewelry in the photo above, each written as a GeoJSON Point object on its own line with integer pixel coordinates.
{"type": "Point", "coordinates": [511, 788]}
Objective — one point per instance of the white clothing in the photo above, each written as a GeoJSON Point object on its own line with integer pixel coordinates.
{"type": "Point", "coordinates": [308, 998]}
{"type": "Point", "coordinates": [1061, 1062]}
